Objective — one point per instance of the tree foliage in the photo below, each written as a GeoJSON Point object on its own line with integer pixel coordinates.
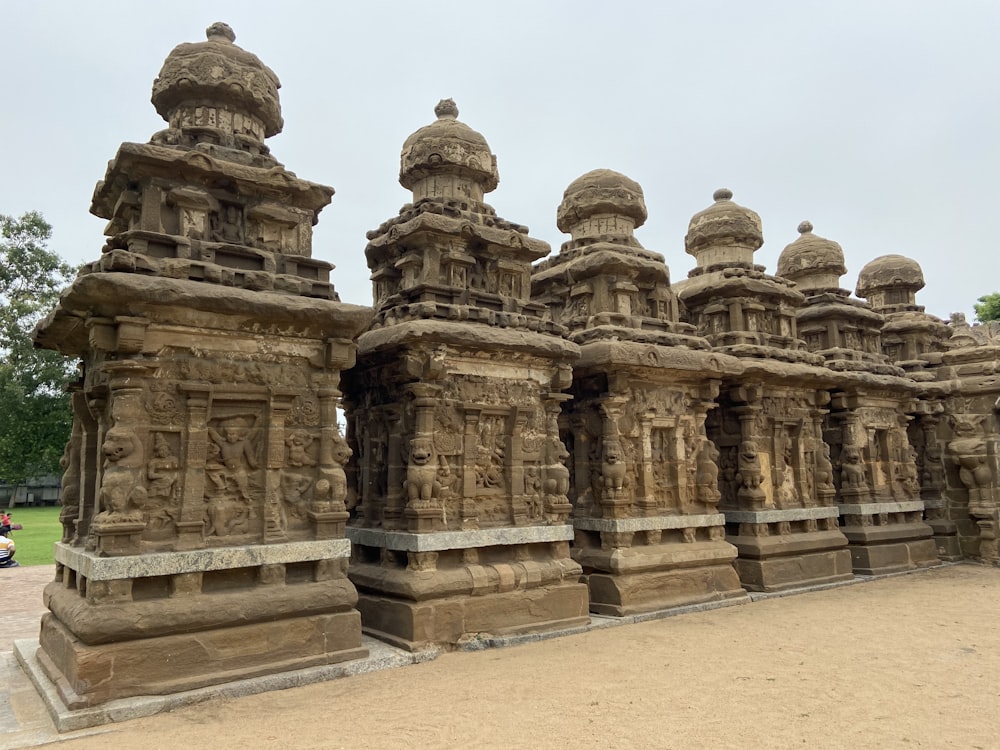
{"type": "Point", "coordinates": [35, 417]}
{"type": "Point", "coordinates": [988, 307]}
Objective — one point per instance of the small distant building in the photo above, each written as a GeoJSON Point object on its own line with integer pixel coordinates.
{"type": "Point", "coordinates": [37, 491]}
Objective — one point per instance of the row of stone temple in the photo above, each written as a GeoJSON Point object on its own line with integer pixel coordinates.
{"type": "Point", "coordinates": [530, 438]}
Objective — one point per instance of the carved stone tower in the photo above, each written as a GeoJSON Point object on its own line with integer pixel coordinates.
{"type": "Point", "coordinates": [872, 402]}
{"type": "Point", "coordinates": [776, 484]}
{"type": "Point", "coordinates": [453, 413]}
{"type": "Point", "coordinates": [645, 477]}
{"type": "Point", "coordinates": [204, 488]}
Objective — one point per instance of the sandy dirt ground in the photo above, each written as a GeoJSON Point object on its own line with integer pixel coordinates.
{"type": "Point", "coordinates": [905, 662]}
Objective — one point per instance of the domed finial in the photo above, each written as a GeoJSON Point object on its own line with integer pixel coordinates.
{"type": "Point", "coordinates": [220, 31]}
{"type": "Point", "coordinates": [805, 226]}
{"type": "Point", "coordinates": [722, 194]}
{"type": "Point", "coordinates": [446, 109]}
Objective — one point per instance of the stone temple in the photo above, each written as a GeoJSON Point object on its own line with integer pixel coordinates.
{"type": "Point", "coordinates": [533, 440]}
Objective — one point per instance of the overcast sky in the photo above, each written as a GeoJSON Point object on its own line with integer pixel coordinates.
{"type": "Point", "coordinates": [877, 120]}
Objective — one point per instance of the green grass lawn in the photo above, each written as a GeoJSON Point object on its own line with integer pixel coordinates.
{"type": "Point", "coordinates": [41, 530]}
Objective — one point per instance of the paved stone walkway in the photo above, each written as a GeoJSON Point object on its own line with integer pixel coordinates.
{"type": "Point", "coordinates": [22, 609]}
{"type": "Point", "coordinates": [24, 721]}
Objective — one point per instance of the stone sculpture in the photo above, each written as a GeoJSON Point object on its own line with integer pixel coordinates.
{"type": "Point", "coordinates": [644, 483]}
{"type": "Point", "coordinates": [461, 524]}
{"type": "Point", "coordinates": [768, 420]}
{"type": "Point", "coordinates": [191, 434]}
{"type": "Point", "coordinates": [750, 476]}
{"type": "Point", "coordinates": [881, 513]}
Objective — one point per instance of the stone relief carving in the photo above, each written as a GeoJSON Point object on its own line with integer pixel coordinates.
{"type": "Point", "coordinates": [336, 476]}
{"type": "Point", "coordinates": [708, 473]}
{"type": "Point", "coordinates": [237, 452]}
{"type": "Point", "coordinates": [852, 470]}
{"type": "Point", "coordinates": [555, 478]}
{"type": "Point", "coordinates": [969, 452]}
{"type": "Point", "coordinates": [824, 468]}
{"type": "Point", "coordinates": [422, 486]}
{"type": "Point", "coordinates": [162, 474]}
{"type": "Point", "coordinates": [122, 495]}
{"type": "Point", "coordinates": [750, 476]}
{"type": "Point", "coordinates": [298, 442]}
{"type": "Point", "coordinates": [613, 468]}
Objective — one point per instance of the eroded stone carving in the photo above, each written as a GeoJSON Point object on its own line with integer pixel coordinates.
{"type": "Point", "coordinates": [211, 345]}
{"type": "Point", "coordinates": [451, 436]}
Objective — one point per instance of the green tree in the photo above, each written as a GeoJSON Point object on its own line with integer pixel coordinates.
{"type": "Point", "coordinates": [988, 307]}
{"type": "Point", "coordinates": [35, 416]}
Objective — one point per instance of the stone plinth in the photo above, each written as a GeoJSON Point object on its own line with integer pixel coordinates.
{"type": "Point", "coordinates": [421, 588]}
{"type": "Point", "coordinates": [172, 621]}
{"type": "Point", "coordinates": [661, 562]}
{"type": "Point", "coordinates": [888, 537]}
{"type": "Point", "coordinates": [786, 549]}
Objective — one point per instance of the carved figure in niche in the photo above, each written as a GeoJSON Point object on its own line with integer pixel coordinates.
{"type": "Point", "coordinates": [750, 476]}
{"type": "Point", "coordinates": [336, 476]}
{"type": "Point", "coordinates": [121, 494]}
{"type": "Point", "coordinates": [690, 455]}
{"type": "Point", "coordinates": [932, 475]}
{"type": "Point", "coordinates": [227, 225]}
{"type": "Point", "coordinates": [488, 468]}
{"type": "Point", "coordinates": [690, 534]}
{"type": "Point", "coordinates": [69, 494]}
{"type": "Point", "coordinates": [421, 486]}
{"type": "Point", "coordinates": [910, 482]}
{"type": "Point", "coordinates": [226, 517]}
{"type": "Point", "coordinates": [236, 451]}
{"type": "Point", "coordinates": [294, 495]}
{"type": "Point", "coordinates": [728, 470]}
{"type": "Point", "coordinates": [555, 476]}
{"type": "Point", "coordinates": [298, 442]}
{"type": "Point", "coordinates": [788, 492]}
{"type": "Point", "coordinates": [708, 474]}
{"type": "Point", "coordinates": [852, 469]}
{"type": "Point", "coordinates": [968, 449]}
{"type": "Point", "coordinates": [214, 469]}
{"type": "Point", "coordinates": [661, 466]}
{"type": "Point", "coordinates": [446, 478]}
{"type": "Point", "coordinates": [162, 472]}
{"type": "Point", "coordinates": [533, 491]}
{"type": "Point", "coordinates": [824, 468]}
{"type": "Point", "coordinates": [613, 467]}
